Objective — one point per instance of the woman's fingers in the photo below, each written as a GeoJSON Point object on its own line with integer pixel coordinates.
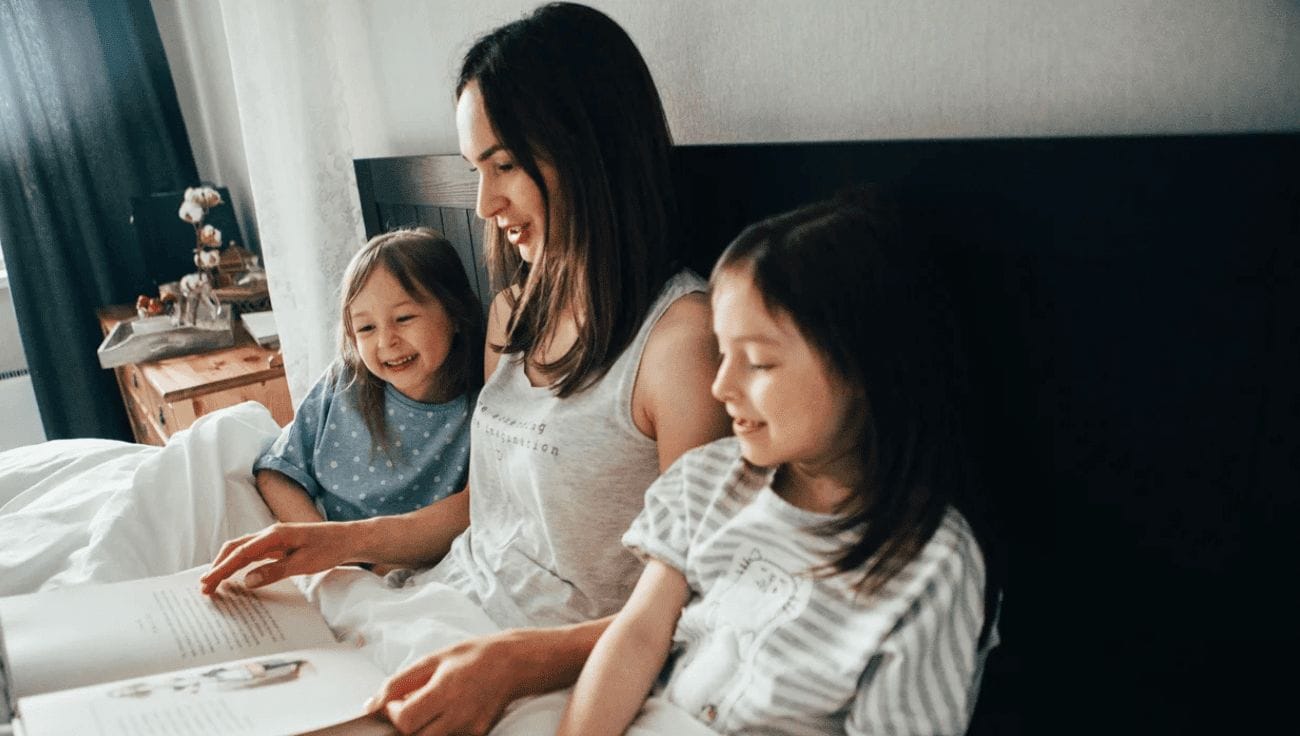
{"type": "Point", "coordinates": [229, 547]}
{"type": "Point", "coordinates": [432, 729]}
{"type": "Point", "coordinates": [405, 682]}
{"type": "Point", "coordinates": [406, 698]}
{"type": "Point", "coordinates": [417, 713]}
{"type": "Point", "coordinates": [293, 548]}
{"type": "Point", "coordinates": [237, 554]}
{"type": "Point", "coordinates": [462, 689]}
{"type": "Point", "coordinates": [266, 574]}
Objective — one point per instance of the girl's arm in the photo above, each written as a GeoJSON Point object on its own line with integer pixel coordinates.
{"type": "Point", "coordinates": [629, 656]}
{"type": "Point", "coordinates": [287, 500]}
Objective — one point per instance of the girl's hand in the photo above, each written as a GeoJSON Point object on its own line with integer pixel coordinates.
{"type": "Point", "coordinates": [293, 549]}
{"type": "Point", "coordinates": [462, 689]}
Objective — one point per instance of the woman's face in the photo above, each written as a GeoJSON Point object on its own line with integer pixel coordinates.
{"type": "Point", "coordinates": [506, 194]}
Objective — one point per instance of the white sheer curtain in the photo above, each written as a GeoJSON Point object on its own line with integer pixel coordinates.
{"type": "Point", "coordinates": [292, 96]}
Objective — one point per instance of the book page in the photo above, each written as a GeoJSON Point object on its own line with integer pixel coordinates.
{"type": "Point", "coordinates": [82, 635]}
{"type": "Point", "coordinates": [290, 692]}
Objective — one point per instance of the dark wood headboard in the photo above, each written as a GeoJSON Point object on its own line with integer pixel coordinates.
{"type": "Point", "coordinates": [1132, 312]}
{"type": "Point", "coordinates": [436, 191]}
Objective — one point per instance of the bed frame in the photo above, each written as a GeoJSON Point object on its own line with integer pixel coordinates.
{"type": "Point", "coordinates": [1132, 312]}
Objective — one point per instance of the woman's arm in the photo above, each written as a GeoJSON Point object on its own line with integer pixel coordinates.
{"type": "Point", "coordinates": [416, 539]}
{"type": "Point", "coordinates": [287, 500]}
{"type": "Point", "coordinates": [672, 400]}
{"type": "Point", "coordinates": [627, 659]}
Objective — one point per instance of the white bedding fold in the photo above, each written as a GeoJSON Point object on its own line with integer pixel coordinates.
{"type": "Point", "coordinates": [79, 511]}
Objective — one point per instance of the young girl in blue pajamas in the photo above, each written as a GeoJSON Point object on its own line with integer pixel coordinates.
{"type": "Point", "coordinates": [810, 574]}
{"type": "Point", "coordinates": [386, 429]}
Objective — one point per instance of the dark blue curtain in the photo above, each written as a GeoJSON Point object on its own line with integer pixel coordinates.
{"type": "Point", "coordinates": [88, 119]}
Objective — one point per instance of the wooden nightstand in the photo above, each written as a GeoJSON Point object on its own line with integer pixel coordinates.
{"type": "Point", "coordinates": [165, 396]}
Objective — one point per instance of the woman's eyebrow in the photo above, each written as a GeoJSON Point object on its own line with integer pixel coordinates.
{"type": "Point", "coordinates": [756, 338]}
{"type": "Point", "coordinates": [487, 153]}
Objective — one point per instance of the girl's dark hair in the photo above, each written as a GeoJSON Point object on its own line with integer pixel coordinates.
{"type": "Point", "coordinates": [870, 303]}
{"type": "Point", "coordinates": [427, 267]}
{"type": "Point", "coordinates": [567, 86]}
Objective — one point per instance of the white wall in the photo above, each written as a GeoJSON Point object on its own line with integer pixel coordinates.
{"type": "Point", "coordinates": [785, 70]}
{"type": "Point", "coordinates": [729, 71]}
{"type": "Point", "coordinates": [776, 70]}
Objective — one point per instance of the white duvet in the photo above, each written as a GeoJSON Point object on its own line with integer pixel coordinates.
{"type": "Point", "coordinates": [84, 511]}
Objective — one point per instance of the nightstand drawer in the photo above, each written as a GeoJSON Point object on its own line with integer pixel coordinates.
{"type": "Point", "coordinates": [143, 396]}
{"type": "Point", "coordinates": [144, 426]}
{"type": "Point", "coordinates": [163, 397]}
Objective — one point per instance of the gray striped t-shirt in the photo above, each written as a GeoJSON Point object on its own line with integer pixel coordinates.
{"type": "Point", "coordinates": [766, 646]}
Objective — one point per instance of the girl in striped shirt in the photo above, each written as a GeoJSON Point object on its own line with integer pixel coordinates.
{"type": "Point", "coordinates": [810, 574]}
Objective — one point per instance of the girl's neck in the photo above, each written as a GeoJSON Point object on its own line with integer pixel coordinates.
{"type": "Point", "coordinates": [442, 391]}
{"type": "Point", "coordinates": [820, 487]}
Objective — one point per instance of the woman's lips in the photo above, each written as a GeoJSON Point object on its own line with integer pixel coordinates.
{"type": "Point", "coordinates": [516, 233]}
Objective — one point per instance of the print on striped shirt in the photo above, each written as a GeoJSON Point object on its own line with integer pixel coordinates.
{"type": "Point", "coordinates": [755, 597]}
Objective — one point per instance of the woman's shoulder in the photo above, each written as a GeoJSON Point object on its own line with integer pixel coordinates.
{"type": "Point", "coordinates": [686, 322]}
{"type": "Point", "coordinates": [671, 401]}
{"type": "Point", "coordinates": [687, 319]}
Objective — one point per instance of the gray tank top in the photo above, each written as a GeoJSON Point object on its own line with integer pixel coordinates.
{"type": "Point", "coordinates": [554, 483]}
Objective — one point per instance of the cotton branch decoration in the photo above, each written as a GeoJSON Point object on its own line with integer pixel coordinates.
{"type": "Point", "coordinates": [207, 239]}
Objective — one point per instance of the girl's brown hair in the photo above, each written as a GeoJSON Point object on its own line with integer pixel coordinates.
{"type": "Point", "coordinates": [566, 85]}
{"type": "Point", "coordinates": [427, 267]}
{"type": "Point", "coordinates": [872, 303]}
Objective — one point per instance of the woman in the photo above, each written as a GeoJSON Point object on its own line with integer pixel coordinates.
{"type": "Point", "coordinates": [598, 366]}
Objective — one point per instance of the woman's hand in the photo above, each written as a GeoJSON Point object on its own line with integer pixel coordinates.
{"type": "Point", "coordinates": [462, 689]}
{"type": "Point", "coordinates": [292, 549]}
{"type": "Point", "coordinates": [415, 539]}
{"type": "Point", "coordinates": [465, 688]}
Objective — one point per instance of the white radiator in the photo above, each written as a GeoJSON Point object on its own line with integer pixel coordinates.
{"type": "Point", "coordinates": [20, 422]}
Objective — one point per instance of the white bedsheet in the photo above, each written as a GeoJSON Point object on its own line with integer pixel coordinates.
{"type": "Point", "coordinates": [85, 511]}
{"type": "Point", "coordinates": [79, 511]}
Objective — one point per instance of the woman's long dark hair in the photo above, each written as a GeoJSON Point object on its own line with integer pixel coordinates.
{"type": "Point", "coordinates": [427, 267]}
{"type": "Point", "coordinates": [870, 302]}
{"type": "Point", "coordinates": [566, 85]}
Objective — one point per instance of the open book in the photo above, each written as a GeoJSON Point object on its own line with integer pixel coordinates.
{"type": "Point", "coordinates": [156, 656]}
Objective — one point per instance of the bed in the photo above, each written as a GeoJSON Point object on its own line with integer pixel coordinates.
{"type": "Point", "coordinates": [1131, 308]}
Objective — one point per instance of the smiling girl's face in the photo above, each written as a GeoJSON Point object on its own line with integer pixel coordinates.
{"type": "Point", "coordinates": [507, 196]}
{"type": "Point", "coordinates": [786, 404]}
{"type": "Point", "coordinates": [403, 340]}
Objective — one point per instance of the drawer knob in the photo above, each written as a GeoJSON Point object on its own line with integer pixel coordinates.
{"type": "Point", "coordinates": [161, 419]}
